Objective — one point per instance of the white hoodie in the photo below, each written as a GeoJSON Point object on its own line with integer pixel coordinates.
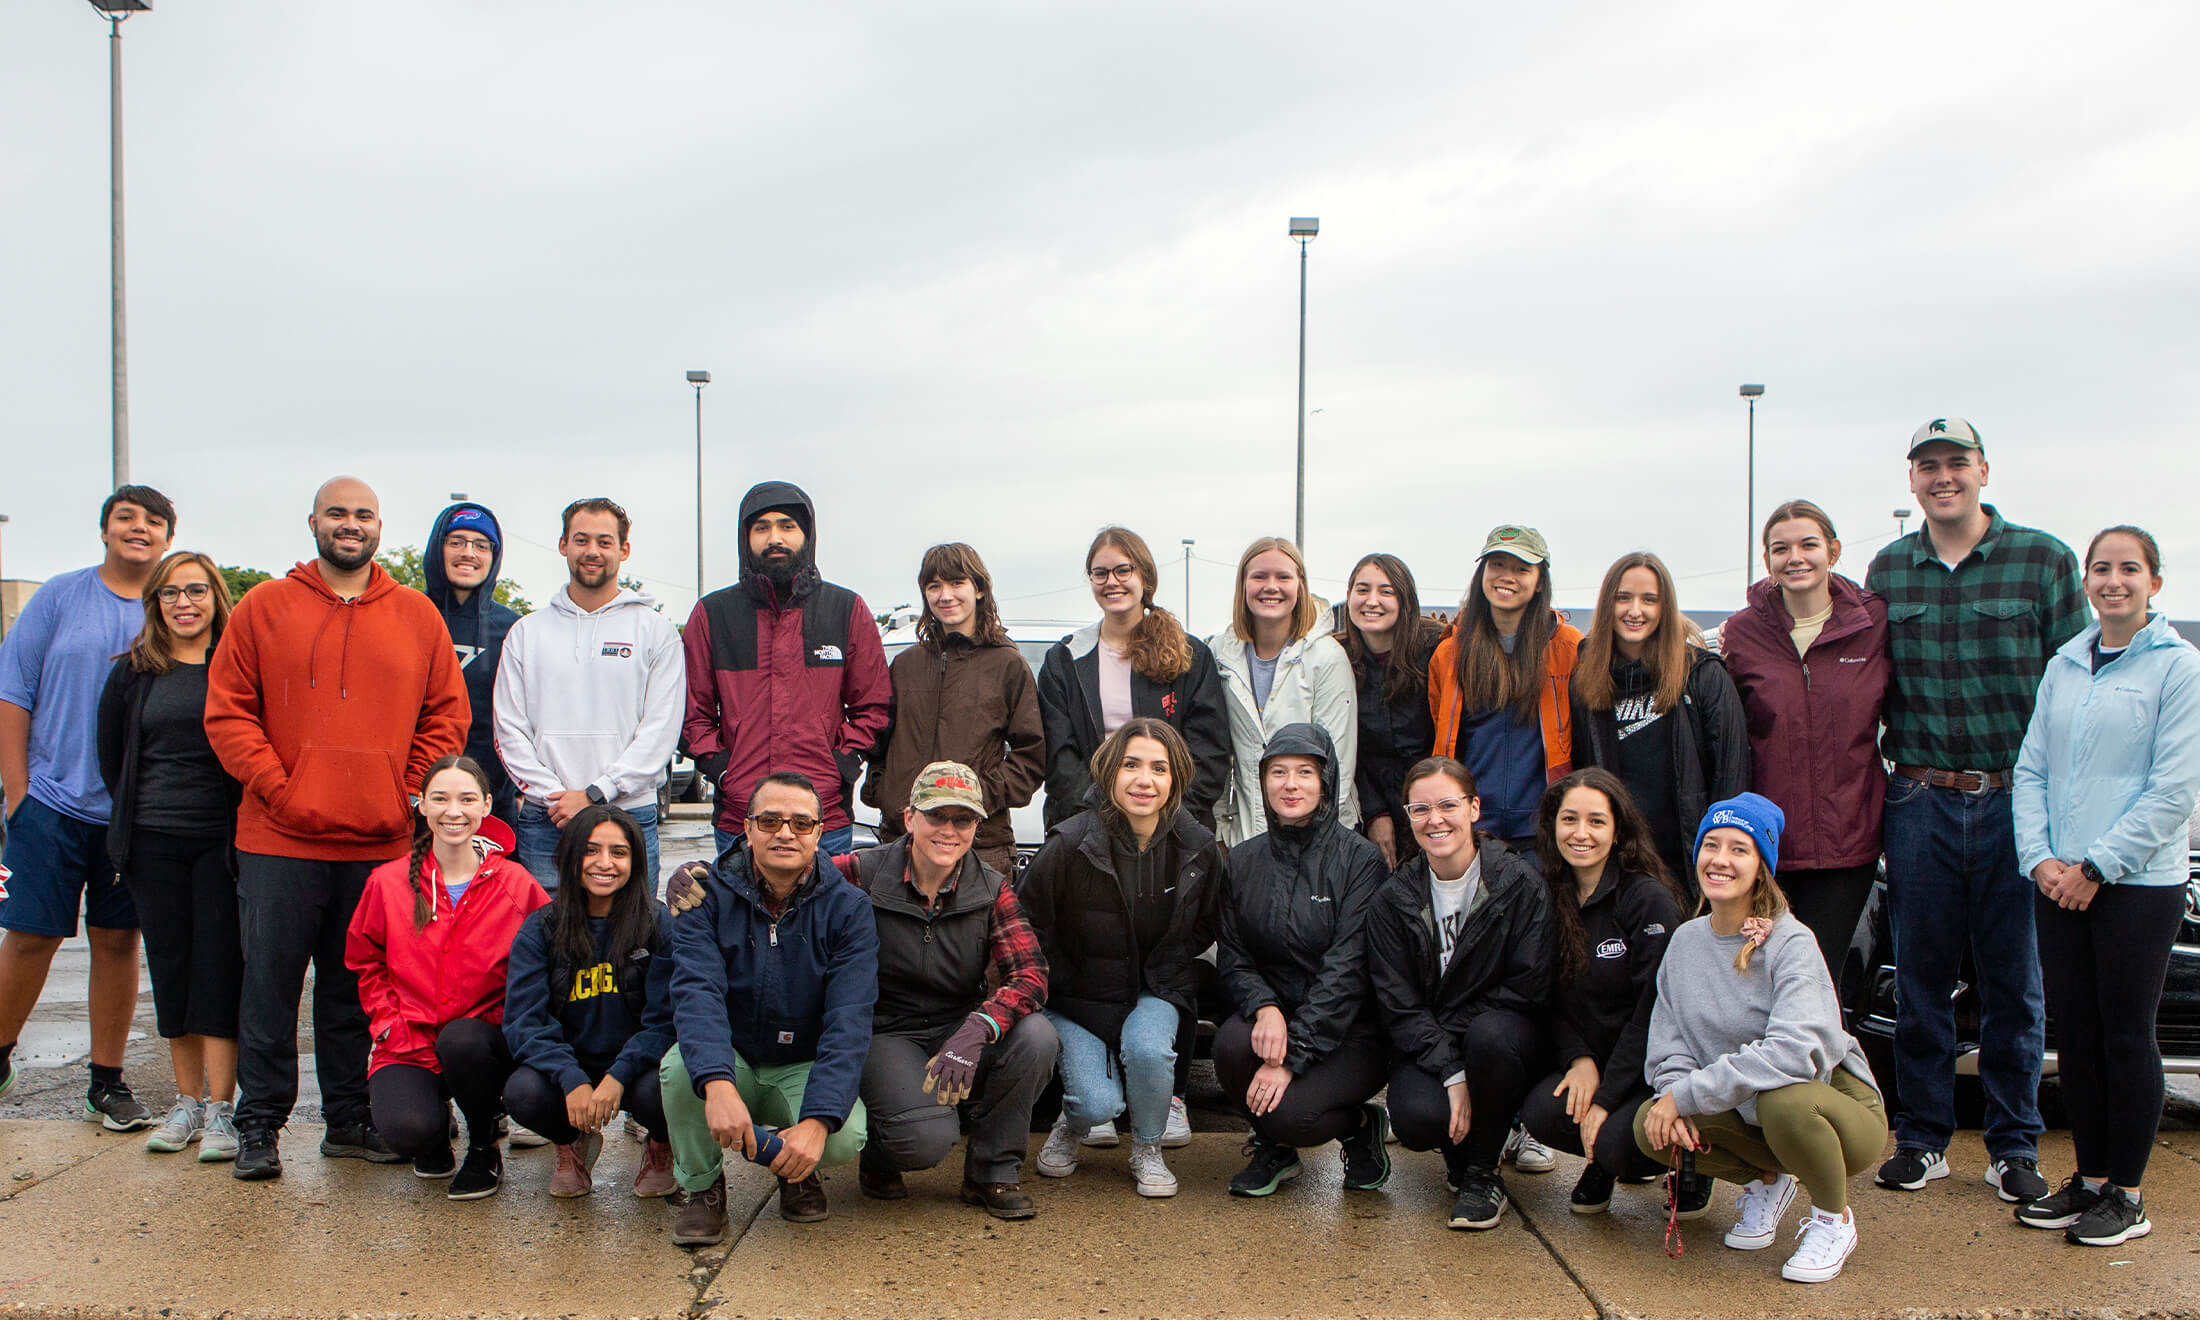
{"type": "Point", "coordinates": [590, 698]}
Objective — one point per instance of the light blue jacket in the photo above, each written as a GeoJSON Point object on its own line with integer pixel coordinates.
{"type": "Point", "coordinates": [2111, 762]}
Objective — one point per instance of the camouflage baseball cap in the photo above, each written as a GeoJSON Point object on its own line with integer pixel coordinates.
{"type": "Point", "coordinates": [1954, 430]}
{"type": "Point", "coordinates": [947, 784]}
{"type": "Point", "coordinates": [1522, 543]}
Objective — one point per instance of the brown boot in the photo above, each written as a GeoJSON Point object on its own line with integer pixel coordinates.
{"type": "Point", "coordinates": [575, 1174]}
{"type": "Point", "coordinates": [882, 1184]}
{"type": "Point", "coordinates": [799, 1202]}
{"type": "Point", "coordinates": [1002, 1200]}
{"type": "Point", "coordinates": [654, 1178]}
{"type": "Point", "coordinates": [701, 1219]}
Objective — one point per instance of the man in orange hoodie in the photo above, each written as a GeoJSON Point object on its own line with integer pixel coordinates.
{"type": "Point", "coordinates": [332, 691]}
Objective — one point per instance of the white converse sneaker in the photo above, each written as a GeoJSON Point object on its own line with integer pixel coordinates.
{"type": "Point", "coordinates": [1178, 1131]}
{"type": "Point", "coordinates": [1762, 1205]}
{"type": "Point", "coordinates": [1527, 1154]}
{"type": "Point", "coordinates": [1058, 1158]}
{"type": "Point", "coordinates": [1827, 1241]}
{"type": "Point", "coordinates": [1102, 1137]}
{"type": "Point", "coordinates": [185, 1123]}
{"type": "Point", "coordinates": [1150, 1171]}
{"type": "Point", "coordinates": [219, 1141]}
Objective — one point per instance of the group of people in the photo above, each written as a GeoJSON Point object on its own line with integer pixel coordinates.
{"type": "Point", "coordinates": [1490, 889]}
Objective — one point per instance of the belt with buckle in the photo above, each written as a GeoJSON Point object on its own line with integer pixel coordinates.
{"type": "Point", "coordinates": [1963, 781]}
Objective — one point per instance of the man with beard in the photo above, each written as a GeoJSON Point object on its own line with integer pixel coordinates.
{"type": "Point", "coordinates": [784, 670]}
{"type": "Point", "coordinates": [588, 695]}
{"type": "Point", "coordinates": [333, 690]}
{"type": "Point", "coordinates": [465, 554]}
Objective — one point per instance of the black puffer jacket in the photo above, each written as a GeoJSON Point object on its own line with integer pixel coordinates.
{"type": "Point", "coordinates": [1394, 733]}
{"type": "Point", "coordinates": [1710, 737]}
{"type": "Point", "coordinates": [1081, 911]}
{"type": "Point", "coordinates": [1603, 1011]}
{"type": "Point", "coordinates": [1504, 959]}
{"type": "Point", "coordinates": [1294, 918]}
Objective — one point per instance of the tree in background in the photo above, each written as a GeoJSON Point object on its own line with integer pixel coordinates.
{"type": "Point", "coordinates": [403, 563]}
{"type": "Point", "coordinates": [242, 580]}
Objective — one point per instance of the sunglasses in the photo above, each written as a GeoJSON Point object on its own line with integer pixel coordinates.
{"type": "Point", "coordinates": [771, 822]}
{"type": "Point", "coordinates": [951, 819]}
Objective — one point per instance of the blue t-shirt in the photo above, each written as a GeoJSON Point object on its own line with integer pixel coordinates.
{"type": "Point", "coordinates": [54, 664]}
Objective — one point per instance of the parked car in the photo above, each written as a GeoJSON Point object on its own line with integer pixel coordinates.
{"type": "Point", "coordinates": [682, 783]}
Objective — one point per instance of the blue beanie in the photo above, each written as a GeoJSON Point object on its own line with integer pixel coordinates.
{"type": "Point", "coordinates": [1758, 817]}
{"type": "Point", "coordinates": [474, 518]}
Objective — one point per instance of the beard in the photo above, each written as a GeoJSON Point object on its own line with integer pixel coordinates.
{"type": "Point", "coordinates": [593, 579]}
{"type": "Point", "coordinates": [346, 560]}
{"type": "Point", "coordinates": [781, 569]}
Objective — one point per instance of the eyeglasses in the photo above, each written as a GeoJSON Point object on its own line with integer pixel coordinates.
{"type": "Point", "coordinates": [1120, 573]}
{"type": "Point", "coordinates": [1421, 810]}
{"type": "Point", "coordinates": [954, 820]}
{"type": "Point", "coordinates": [463, 542]}
{"type": "Point", "coordinates": [771, 822]}
{"type": "Point", "coordinates": [188, 591]}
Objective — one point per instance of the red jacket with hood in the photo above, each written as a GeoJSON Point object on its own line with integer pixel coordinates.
{"type": "Point", "coordinates": [414, 981]}
{"type": "Point", "coordinates": [329, 711]}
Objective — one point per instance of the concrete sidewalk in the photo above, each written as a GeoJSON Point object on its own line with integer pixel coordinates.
{"type": "Point", "coordinates": [92, 1225]}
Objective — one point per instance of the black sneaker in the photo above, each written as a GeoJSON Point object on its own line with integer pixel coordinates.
{"type": "Point", "coordinates": [1367, 1152]}
{"type": "Point", "coordinates": [480, 1175]}
{"type": "Point", "coordinates": [1271, 1167]}
{"type": "Point", "coordinates": [257, 1157]}
{"type": "Point", "coordinates": [116, 1109]}
{"type": "Point", "coordinates": [2016, 1179]}
{"type": "Point", "coordinates": [435, 1162]}
{"type": "Point", "coordinates": [2114, 1220]}
{"type": "Point", "coordinates": [1909, 1169]}
{"type": "Point", "coordinates": [357, 1141]}
{"type": "Point", "coordinates": [1481, 1200]}
{"type": "Point", "coordinates": [1592, 1191]}
{"type": "Point", "coordinates": [1695, 1196]}
{"type": "Point", "coordinates": [2061, 1210]}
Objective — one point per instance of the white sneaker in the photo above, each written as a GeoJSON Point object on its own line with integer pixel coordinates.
{"type": "Point", "coordinates": [220, 1139]}
{"type": "Point", "coordinates": [185, 1123]}
{"type": "Point", "coordinates": [1150, 1172]}
{"type": "Point", "coordinates": [1103, 1137]}
{"type": "Point", "coordinates": [1762, 1205]}
{"type": "Point", "coordinates": [1058, 1158]}
{"type": "Point", "coordinates": [1827, 1242]}
{"type": "Point", "coordinates": [1527, 1154]}
{"type": "Point", "coordinates": [521, 1137]}
{"type": "Point", "coordinates": [1178, 1132]}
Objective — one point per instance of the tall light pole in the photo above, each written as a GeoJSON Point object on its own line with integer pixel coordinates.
{"type": "Point", "coordinates": [698, 379]}
{"type": "Point", "coordinates": [1749, 506]}
{"type": "Point", "coordinates": [1303, 228]}
{"type": "Point", "coordinates": [3, 586]}
{"type": "Point", "coordinates": [115, 12]}
{"type": "Point", "coordinates": [1187, 582]}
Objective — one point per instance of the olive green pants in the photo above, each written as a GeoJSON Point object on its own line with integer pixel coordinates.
{"type": "Point", "coordinates": [1823, 1133]}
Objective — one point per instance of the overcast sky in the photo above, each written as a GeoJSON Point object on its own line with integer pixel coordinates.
{"type": "Point", "coordinates": [1005, 272]}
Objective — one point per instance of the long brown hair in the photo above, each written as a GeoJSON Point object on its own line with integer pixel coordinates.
{"type": "Point", "coordinates": [954, 561]}
{"type": "Point", "coordinates": [1766, 899]}
{"type": "Point", "coordinates": [424, 838]}
{"type": "Point", "coordinates": [1159, 648]}
{"type": "Point", "coordinates": [1304, 614]}
{"type": "Point", "coordinates": [1489, 679]}
{"type": "Point", "coordinates": [151, 652]}
{"type": "Point", "coordinates": [1634, 848]}
{"type": "Point", "coordinates": [1412, 639]}
{"type": "Point", "coordinates": [1108, 760]}
{"type": "Point", "coordinates": [1665, 658]}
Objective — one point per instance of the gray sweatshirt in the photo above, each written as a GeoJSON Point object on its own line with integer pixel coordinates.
{"type": "Point", "coordinates": [1719, 1038]}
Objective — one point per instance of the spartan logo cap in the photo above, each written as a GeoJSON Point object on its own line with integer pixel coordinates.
{"type": "Point", "coordinates": [1954, 430]}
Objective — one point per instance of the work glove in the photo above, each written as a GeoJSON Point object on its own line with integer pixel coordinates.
{"type": "Point", "coordinates": [684, 887]}
{"type": "Point", "coordinates": [951, 1073]}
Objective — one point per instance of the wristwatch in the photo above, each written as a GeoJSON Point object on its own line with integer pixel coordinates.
{"type": "Point", "coordinates": [2091, 872]}
{"type": "Point", "coordinates": [595, 795]}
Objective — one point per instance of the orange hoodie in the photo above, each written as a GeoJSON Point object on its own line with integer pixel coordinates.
{"type": "Point", "coordinates": [1444, 700]}
{"type": "Point", "coordinates": [329, 711]}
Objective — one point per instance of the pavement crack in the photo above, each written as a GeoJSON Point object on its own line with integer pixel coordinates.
{"type": "Point", "coordinates": [1604, 1309]}
{"type": "Point", "coordinates": [699, 1306]}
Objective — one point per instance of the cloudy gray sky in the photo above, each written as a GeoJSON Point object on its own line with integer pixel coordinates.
{"type": "Point", "coordinates": [1004, 272]}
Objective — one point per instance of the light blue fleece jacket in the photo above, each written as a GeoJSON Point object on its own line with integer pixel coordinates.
{"type": "Point", "coordinates": [2111, 763]}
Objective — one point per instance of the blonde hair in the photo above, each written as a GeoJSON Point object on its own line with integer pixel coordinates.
{"type": "Point", "coordinates": [1304, 614]}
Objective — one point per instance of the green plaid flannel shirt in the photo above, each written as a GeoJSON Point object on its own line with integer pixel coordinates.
{"type": "Point", "coordinates": [1971, 643]}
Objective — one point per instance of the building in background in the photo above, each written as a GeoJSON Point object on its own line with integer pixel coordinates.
{"type": "Point", "coordinates": [15, 593]}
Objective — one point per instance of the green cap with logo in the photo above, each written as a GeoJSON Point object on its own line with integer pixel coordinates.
{"type": "Point", "coordinates": [1522, 543]}
{"type": "Point", "coordinates": [1954, 430]}
{"type": "Point", "coordinates": [947, 784]}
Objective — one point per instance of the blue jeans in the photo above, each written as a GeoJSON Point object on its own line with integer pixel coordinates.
{"type": "Point", "coordinates": [1094, 1091]}
{"type": "Point", "coordinates": [1953, 884]}
{"type": "Point", "coordinates": [832, 843]}
{"type": "Point", "coordinates": [538, 843]}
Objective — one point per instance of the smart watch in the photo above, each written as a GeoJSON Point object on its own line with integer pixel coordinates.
{"type": "Point", "coordinates": [595, 795]}
{"type": "Point", "coordinates": [2091, 872]}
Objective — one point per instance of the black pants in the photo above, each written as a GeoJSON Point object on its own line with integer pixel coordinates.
{"type": "Point", "coordinates": [1504, 1053]}
{"type": "Point", "coordinates": [1545, 1115]}
{"type": "Point", "coordinates": [2103, 970]}
{"type": "Point", "coordinates": [1830, 902]}
{"type": "Point", "coordinates": [411, 1104]}
{"type": "Point", "coordinates": [534, 1100]}
{"type": "Point", "coordinates": [1321, 1105]}
{"type": "Point", "coordinates": [187, 907]}
{"type": "Point", "coordinates": [910, 1130]}
{"type": "Point", "coordinates": [292, 911]}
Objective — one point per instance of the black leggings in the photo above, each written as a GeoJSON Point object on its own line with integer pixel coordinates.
{"type": "Point", "coordinates": [2103, 968]}
{"type": "Point", "coordinates": [1504, 1052]}
{"type": "Point", "coordinates": [1545, 1116]}
{"type": "Point", "coordinates": [186, 899]}
{"type": "Point", "coordinates": [411, 1103]}
{"type": "Point", "coordinates": [1830, 902]}
{"type": "Point", "coordinates": [534, 1100]}
{"type": "Point", "coordinates": [1321, 1105]}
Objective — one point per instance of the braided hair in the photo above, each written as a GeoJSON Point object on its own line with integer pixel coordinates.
{"type": "Point", "coordinates": [423, 841]}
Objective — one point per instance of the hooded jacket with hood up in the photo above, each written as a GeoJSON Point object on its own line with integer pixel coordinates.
{"type": "Point", "coordinates": [1709, 738]}
{"type": "Point", "coordinates": [477, 626]}
{"type": "Point", "coordinates": [2111, 761]}
{"type": "Point", "coordinates": [1313, 684]}
{"type": "Point", "coordinates": [330, 711]}
{"type": "Point", "coordinates": [783, 680]}
{"type": "Point", "coordinates": [591, 698]}
{"type": "Point", "coordinates": [1294, 909]}
{"type": "Point", "coordinates": [1069, 707]}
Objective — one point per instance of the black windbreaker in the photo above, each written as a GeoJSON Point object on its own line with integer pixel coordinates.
{"type": "Point", "coordinates": [1504, 959]}
{"type": "Point", "coordinates": [1603, 1012]}
{"type": "Point", "coordinates": [1293, 918]}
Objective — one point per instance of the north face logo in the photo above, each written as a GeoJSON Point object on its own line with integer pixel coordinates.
{"type": "Point", "coordinates": [826, 652]}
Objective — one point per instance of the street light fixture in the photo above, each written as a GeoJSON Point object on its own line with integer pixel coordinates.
{"type": "Point", "coordinates": [1187, 583]}
{"type": "Point", "coordinates": [698, 379]}
{"type": "Point", "coordinates": [1901, 521]}
{"type": "Point", "coordinates": [1303, 229]}
{"type": "Point", "coordinates": [1749, 506]}
{"type": "Point", "coordinates": [115, 12]}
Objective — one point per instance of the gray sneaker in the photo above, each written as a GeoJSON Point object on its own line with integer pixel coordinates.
{"type": "Point", "coordinates": [186, 1120]}
{"type": "Point", "coordinates": [219, 1140]}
